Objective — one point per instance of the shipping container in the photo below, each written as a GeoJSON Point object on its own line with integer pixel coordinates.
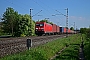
{"type": "Point", "coordinates": [61, 29]}
{"type": "Point", "coordinates": [57, 29]}
{"type": "Point", "coordinates": [64, 30]}
{"type": "Point", "coordinates": [54, 28]}
{"type": "Point", "coordinates": [69, 31]}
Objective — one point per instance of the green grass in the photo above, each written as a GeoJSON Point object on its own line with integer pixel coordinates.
{"type": "Point", "coordinates": [44, 52]}
{"type": "Point", "coordinates": [72, 51]}
{"type": "Point", "coordinates": [87, 48]}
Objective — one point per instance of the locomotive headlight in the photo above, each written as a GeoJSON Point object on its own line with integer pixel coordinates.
{"type": "Point", "coordinates": [36, 28]}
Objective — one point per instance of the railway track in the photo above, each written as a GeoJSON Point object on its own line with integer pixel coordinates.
{"type": "Point", "coordinates": [14, 45]}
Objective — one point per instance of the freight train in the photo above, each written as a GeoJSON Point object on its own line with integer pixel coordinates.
{"type": "Point", "coordinates": [43, 28]}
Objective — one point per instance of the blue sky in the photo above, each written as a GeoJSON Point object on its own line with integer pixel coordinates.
{"type": "Point", "coordinates": [79, 10]}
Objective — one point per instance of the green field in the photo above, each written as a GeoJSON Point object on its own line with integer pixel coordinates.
{"type": "Point", "coordinates": [48, 50]}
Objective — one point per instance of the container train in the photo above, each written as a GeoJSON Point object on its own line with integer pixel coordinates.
{"type": "Point", "coordinates": [43, 28]}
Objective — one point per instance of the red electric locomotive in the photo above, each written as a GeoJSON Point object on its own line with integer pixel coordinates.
{"type": "Point", "coordinates": [43, 28]}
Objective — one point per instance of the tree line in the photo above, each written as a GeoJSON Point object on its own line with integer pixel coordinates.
{"type": "Point", "coordinates": [85, 31]}
{"type": "Point", "coordinates": [16, 24]}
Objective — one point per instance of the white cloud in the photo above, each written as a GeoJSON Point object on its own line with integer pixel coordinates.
{"type": "Point", "coordinates": [76, 18]}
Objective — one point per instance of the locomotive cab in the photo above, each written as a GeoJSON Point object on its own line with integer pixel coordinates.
{"type": "Point", "coordinates": [39, 28]}
{"type": "Point", "coordinates": [42, 28]}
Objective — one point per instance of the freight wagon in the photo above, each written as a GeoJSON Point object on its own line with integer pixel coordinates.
{"type": "Point", "coordinates": [55, 29]}
{"type": "Point", "coordinates": [69, 31]}
{"type": "Point", "coordinates": [62, 30]}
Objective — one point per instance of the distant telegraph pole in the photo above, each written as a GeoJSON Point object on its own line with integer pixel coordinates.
{"type": "Point", "coordinates": [30, 22]}
{"type": "Point", "coordinates": [66, 21]}
{"type": "Point", "coordinates": [74, 25]}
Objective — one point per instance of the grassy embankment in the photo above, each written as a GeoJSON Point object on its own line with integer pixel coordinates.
{"type": "Point", "coordinates": [72, 51]}
{"type": "Point", "coordinates": [87, 48]}
{"type": "Point", "coordinates": [48, 50]}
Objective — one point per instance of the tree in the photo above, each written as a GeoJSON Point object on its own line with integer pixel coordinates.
{"type": "Point", "coordinates": [88, 33]}
{"type": "Point", "coordinates": [24, 25]}
{"type": "Point", "coordinates": [71, 28]}
{"type": "Point", "coordinates": [1, 30]}
{"type": "Point", "coordinates": [46, 21]}
{"type": "Point", "coordinates": [9, 20]}
{"type": "Point", "coordinates": [17, 24]}
{"type": "Point", "coordinates": [83, 30]}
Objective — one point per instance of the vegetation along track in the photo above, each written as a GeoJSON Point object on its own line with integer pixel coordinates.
{"type": "Point", "coordinates": [13, 45]}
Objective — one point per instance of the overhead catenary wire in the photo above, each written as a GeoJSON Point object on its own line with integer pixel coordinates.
{"type": "Point", "coordinates": [60, 13]}
{"type": "Point", "coordinates": [44, 8]}
{"type": "Point", "coordinates": [37, 13]}
{"type": "Point", "coordinates": [11, 2]}
{"type": "Point", "coordinates": [21, 7]}
{"type": "Point", "coordinates": [41, 6]}
{"type": "Point", "coordinates": [53, 9]}
{"type": "Point", "coordinates": [47, 6]}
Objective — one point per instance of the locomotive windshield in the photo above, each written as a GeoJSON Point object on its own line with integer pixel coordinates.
{"type": "Point", "coordinates": [39, 24]}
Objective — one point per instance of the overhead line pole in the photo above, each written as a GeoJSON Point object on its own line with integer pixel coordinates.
{"type": "Point", "coordinates": [66, 22]}
{"type": "Point", "coordinates": [74, 25]}
{"type": "Point", "coordinates": [30, 22]}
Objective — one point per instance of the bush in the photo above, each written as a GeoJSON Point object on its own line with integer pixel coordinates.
{"type": "Point", "coordinates": [23, 35]}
